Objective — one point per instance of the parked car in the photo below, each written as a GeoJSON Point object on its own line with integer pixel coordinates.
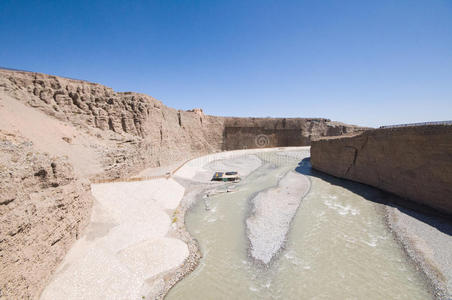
{"type": "Point", "coordinates": [226, 176]}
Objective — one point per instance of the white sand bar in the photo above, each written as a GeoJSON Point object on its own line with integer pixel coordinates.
{"type": "Point", "coordinates": [125, 244]}
{"type": "Point", "coordinates": [272, 213]}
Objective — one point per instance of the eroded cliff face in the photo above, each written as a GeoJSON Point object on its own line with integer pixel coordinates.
{"type": "Point", "coordinates": [43, 209]}
{"type": "Point", "coordinates": [246, 133]}
{"type": "Point", "coordinates": [148, 133]}
{"type": "Point", "coordinates": [145, 132]}
{"type": "Point", "coordinates": [57, 133]}
{"type": "Point", "coordinates": [412, 162]}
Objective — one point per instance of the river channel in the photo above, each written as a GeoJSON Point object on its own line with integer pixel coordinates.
{"type": "Point", "coordinates": [338, 246]}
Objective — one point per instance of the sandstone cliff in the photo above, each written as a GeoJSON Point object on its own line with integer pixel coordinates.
{"type": "Point", "coordinates": [141, 130]}
{"type": "Point", "coordinates": [59, 132]}
{"type": "Point", "coordinates": [148, 133]}
{"type": "Point", "coordinates": [246, 133]}
{"type": "Point", "coordinates": [412, 162]}
{"type": "Point", "coordinates": [43, 209]}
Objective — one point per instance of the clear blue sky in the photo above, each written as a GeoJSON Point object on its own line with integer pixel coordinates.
{"type": "Point", "coordinates": [362, 62]}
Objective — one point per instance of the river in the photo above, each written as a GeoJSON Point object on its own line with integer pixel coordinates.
{"type": "Point", "coordinates": [338, 247]}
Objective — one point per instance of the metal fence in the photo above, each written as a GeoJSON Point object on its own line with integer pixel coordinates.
{"type": "Point", "coordinates": [418, 124]}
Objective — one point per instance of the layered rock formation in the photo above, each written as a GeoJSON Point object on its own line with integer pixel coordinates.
{"type": "Point", "coordinates": [247, 133]}
{"type": "Point", "coordinates": [148, 133]}
{"type": "Point", "coordinates": [412, 162]}
{"type": "Point", "coordinates": [58, 132]}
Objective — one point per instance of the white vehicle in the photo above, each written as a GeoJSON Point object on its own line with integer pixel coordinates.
{"type": "Point", "coordinates": [226, 176]}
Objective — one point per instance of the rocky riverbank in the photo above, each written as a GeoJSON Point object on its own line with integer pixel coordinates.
{"type": "Point", "coordinates": [427, 240]}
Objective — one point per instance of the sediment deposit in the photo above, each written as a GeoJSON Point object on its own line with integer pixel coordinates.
{"type": "Point", "coordinates": [427, 240]}
{"type": "Point", "coordinates": [128, 241]}
{"type": "Point", "coordinates": [273, 211]}
{"type": "Point", "coordinates": [412, 162]}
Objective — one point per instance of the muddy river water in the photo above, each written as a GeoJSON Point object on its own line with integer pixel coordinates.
{"type": "Point", "coordinates": [338, 246]}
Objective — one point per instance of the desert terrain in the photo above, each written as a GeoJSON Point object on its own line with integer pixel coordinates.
{"type": "Point", "coordinates": [96, 185]}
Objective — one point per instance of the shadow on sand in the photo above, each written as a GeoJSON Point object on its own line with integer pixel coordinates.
{"type": "Point", "coordinates": [425, 214]}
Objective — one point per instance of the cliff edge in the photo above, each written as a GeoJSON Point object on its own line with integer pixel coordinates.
{"type": "Point", "coordinates": [412, 162]}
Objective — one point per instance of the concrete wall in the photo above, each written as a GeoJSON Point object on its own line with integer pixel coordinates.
{"type": "Point", "coordinates": [412, 162]}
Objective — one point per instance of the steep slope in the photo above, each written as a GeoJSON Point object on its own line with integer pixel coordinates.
{"type": "Point", "coordinates": [138, 129]}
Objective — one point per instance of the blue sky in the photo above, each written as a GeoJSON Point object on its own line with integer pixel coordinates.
{"type": "Point", "coordinates": [361, 62]}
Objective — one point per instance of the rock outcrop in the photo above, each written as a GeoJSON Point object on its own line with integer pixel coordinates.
{"type": "Point", "coordinates": [43, 209]}
{"type": "Point", "coordinates": [146, 132]}
{"type": "Point", "coordinates": [248, 133]}
{"type": "Point", "coordinates": [60, 132]}
{"type": "Point", "coordinates": [412, 162]}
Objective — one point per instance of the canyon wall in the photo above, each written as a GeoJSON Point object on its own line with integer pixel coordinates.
{"type": "Point", "coordinates": [412, 162]}
{"type": "Point", "coordinates": [144, 131]}
{"type": "Point", "coordinates": [246, 133]}
{"type": "Point", "coordinates": [57, 133]}
{"type": "Point", "coordinates": [148, 133]}
{"type": "Point", "coordinates": [43, 209]}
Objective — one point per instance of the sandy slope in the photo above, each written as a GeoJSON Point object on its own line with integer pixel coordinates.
{"type": "Point", "coordinates": [47, 135]}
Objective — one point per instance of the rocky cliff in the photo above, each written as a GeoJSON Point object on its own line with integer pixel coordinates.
{"type": "Point", "coordinates": [57, 133]}
{"type": "Point", "coordinates": [412, 162]}
{"type": "Point", "coordinates": [148, 133]}
{"type": "Point", "coordinates": [43, 208]}
{"type": "Point", "coordinates": [145, 132]}
{"type": "Point", "coordinates": [247, 133]}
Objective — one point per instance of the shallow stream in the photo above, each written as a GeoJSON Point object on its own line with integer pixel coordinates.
{"type": "Point", "coordinates": [338, 246]}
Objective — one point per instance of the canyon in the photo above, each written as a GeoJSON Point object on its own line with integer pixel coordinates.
{"type": "Point", "coordinates": [58, 135]}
